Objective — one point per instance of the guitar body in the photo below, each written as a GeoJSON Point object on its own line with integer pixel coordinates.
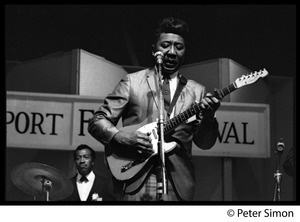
{"type": "Point", "coordinates": [127, 166]}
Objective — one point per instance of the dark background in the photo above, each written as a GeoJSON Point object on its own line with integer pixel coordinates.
{"type": "Point", "coordinates": [256, 36]}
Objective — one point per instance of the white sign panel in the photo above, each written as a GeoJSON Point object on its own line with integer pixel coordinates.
{"type": "Point", "coordinates": [244, 131]}
{"type": "Point", "coordinates": [31, 122]}
{"type": "Point", "coordinates": [54, 121]}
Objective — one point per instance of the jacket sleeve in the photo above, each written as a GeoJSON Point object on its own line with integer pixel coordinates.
{"type": "Point", "coordinates": [207, 130]}
{"type": "Point", "coordinates": [206, 135]}
{"type": "Point", "coordinates": [102, 126]}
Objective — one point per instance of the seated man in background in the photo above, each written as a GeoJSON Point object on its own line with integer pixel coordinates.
{"type": "Point", "coordinates": [87, 185]}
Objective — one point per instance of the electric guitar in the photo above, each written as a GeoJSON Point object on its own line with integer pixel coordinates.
{"type": "Point", "coordinates": [126, 166]}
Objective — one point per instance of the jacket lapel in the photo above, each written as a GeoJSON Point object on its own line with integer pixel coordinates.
{"type": "Point", "coordinates": [153, 85]}
{"type": "Point", "coordinates": [75, 193]}
{"type": "Point", "coordinates": [182, 97]}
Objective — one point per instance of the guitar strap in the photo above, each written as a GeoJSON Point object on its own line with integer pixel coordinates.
{"type": "Point", "coordinates": [182, 82]}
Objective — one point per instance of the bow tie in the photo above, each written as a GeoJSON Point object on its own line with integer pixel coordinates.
{"type": "Point", "coordinates": [83, 179]}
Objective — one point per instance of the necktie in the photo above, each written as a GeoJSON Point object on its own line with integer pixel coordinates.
{"type": "Point", "coordinates": [83, 179]}
{"type": "Point", "coordinates": [166, 93]}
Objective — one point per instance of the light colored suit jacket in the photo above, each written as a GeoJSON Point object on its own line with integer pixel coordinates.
{"type": "Point", "coordinates": [135, 98]}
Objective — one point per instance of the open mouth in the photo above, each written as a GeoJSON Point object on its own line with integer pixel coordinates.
{"type": "Point", "coordinates": [170, 64]}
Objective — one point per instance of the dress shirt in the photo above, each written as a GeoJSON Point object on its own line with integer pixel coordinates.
{"type": "Point", "coordinates": [84, 188]}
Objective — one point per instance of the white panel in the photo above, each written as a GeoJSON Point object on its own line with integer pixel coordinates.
{"type": "Point", "coordinates": [97, 76]}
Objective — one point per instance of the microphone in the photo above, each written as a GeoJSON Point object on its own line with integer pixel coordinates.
{"type": "Point", "coordinates": [159, 57]}
{"type": "Point", "coordinates": [280, 145]}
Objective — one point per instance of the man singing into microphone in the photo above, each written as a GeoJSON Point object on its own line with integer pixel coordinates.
{"type": "Point", "coordinates": [136, 100]}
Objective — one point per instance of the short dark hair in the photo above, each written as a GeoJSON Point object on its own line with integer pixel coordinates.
{"type": "Point", "coordinates": [82, 147]}
{"type": "Point", "coordinates": [171, 25]}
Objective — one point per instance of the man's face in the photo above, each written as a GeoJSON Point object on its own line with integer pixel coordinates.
{"type": "Point", "coordinates": [173, 48]}
{"type": "Point", "coordinates": [83, 161]}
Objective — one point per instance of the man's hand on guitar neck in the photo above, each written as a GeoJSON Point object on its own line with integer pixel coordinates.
{"type": "Point", "coordinates": [134, 140]}
{"type": "Point", "coordinates": [209, 105]}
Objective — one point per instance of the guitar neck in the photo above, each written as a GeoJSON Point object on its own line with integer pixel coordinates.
{"type": "Point", "coordinates": [196, 108]}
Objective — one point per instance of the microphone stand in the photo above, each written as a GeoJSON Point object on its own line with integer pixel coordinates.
{"type": "Point", "coordinates": [277, 176]}
{"type": "Point", "coordinates": [161, 194]}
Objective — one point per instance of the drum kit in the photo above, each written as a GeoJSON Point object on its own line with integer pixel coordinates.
{"type": "Point", "coordinates": [43, 182]}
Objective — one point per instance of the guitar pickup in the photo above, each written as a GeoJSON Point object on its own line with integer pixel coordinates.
{"type": "Point", "coordinates": [130, 165]}
{"type": "Point", "coordinates": [154, 134]}
{"type": "Point", "coordinates": [127, 166]}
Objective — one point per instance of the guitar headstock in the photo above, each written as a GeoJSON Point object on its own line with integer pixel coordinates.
{"type": "Point", "coordinates": [250, 78]}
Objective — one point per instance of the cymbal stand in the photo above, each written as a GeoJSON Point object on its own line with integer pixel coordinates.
{"type": "Point", "coordinates": [46, 187]}
{"type": "Point", "coordinates": [278, 174]}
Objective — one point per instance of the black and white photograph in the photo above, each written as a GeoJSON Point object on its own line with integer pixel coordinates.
{"type": "Point", "coordinates": [152, 104]}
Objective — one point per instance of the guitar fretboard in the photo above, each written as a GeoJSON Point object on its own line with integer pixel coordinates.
{"type": "Point", "coordinates": [196, 108]}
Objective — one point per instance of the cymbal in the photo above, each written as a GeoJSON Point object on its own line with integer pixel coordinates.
{"type": "Point", "coordinates": [28, 177]}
